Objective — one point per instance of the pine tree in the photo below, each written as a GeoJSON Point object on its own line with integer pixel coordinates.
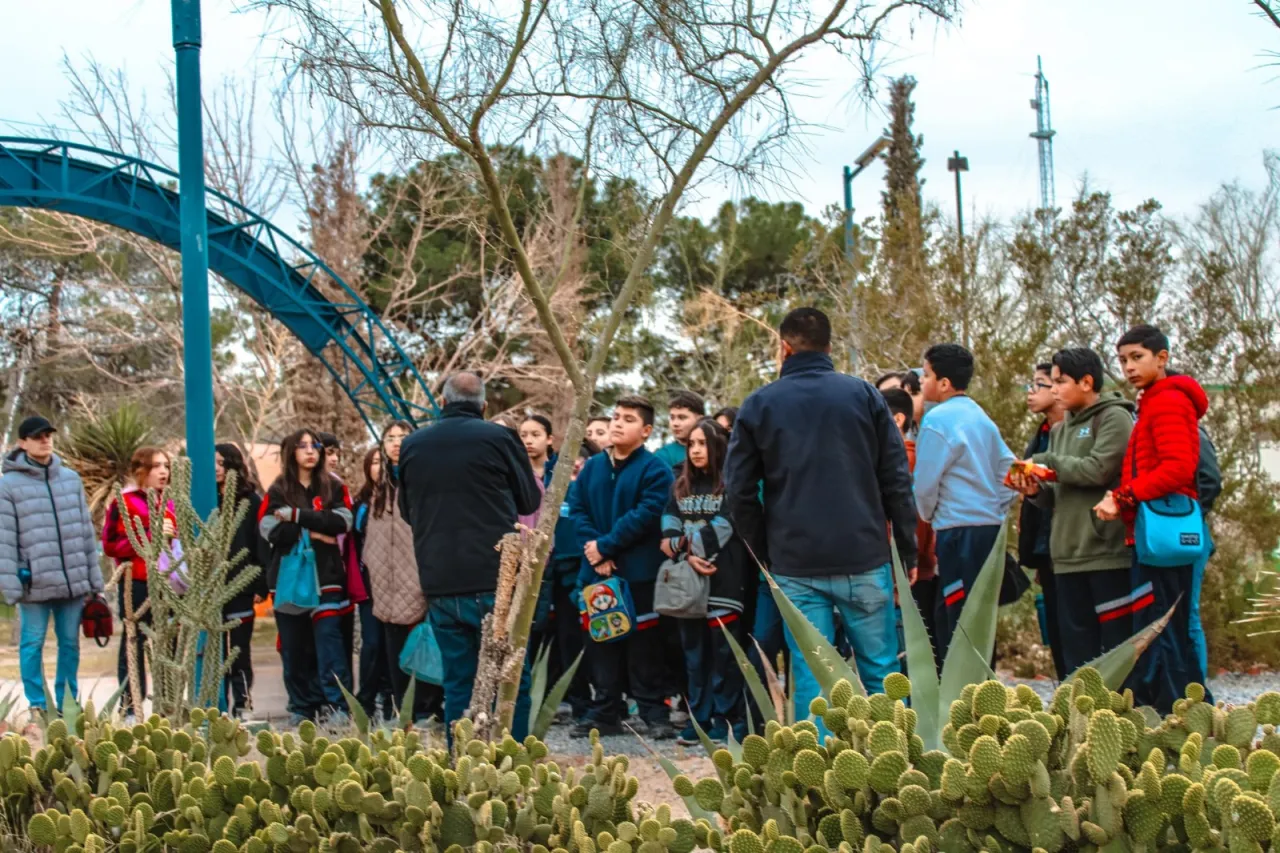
{"type": "Point", "coordinates": [900, 303]}
{"type": "Point", "coordinates": [901, 196]}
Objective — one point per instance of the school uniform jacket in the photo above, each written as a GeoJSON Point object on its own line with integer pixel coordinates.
{"type": "Point", "coordinates": [330, 516]}
{"type": "Point", "coordinates": [698, 524]}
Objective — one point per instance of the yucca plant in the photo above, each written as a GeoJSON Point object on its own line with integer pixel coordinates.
{"type": "Point", "coordinates": [99, 450]}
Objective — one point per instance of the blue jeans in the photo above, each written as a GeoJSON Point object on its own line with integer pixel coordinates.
{"type": "Point", "coordinates": [1195, 628]}
{"type": "Point", "coordinates": [457, 623]}
{"type": "Point", "coordinates": [864, 605]}
{"type": "Point", "coordinates": [66, 628]}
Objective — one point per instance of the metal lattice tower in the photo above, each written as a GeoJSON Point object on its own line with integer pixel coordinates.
{"type": "Point", "coordinates": [1043, 135]}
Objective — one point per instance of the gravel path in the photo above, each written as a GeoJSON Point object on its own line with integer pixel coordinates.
{"type": "Point", "coordinates": [1233, 688]}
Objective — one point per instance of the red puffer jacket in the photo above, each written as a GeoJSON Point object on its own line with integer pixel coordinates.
{"type": "Point", "coordinates": [1165, 442]}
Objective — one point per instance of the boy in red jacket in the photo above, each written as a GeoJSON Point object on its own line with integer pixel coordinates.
{"type": "Point", "coordinates": [1163, 453]}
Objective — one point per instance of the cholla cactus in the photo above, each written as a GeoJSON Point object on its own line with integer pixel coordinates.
{"type": "Point", "coordinates": [179, 618]}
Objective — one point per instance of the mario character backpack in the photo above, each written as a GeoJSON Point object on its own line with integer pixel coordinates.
{"type": "Point", "coordinates": [609, 613]}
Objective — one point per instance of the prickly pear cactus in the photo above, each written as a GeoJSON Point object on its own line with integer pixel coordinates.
{"type": "Point", "coordinates": [199, 787]}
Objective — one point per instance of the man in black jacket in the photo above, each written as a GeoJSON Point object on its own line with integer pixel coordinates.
{"type": "Point", "coordinates": [835, 474]}
{"type": "Point", "coordinates": [463, 481]}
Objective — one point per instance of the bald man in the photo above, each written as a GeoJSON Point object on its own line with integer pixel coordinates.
{"type": "Point", "coordinates": [463, 482]}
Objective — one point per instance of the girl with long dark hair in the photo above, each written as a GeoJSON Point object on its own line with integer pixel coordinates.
{"type": "Point", "coordinates": [229, 460]}
{"type": "Point", "coordinates": [394, 585]}
{"type": "Point", "coordinates": [306, 498]}
{"type": "Point", "coordinates": [696, 528]}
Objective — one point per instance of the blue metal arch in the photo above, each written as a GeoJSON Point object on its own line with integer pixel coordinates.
{"type": "Point", "coordinates": [251, 253]}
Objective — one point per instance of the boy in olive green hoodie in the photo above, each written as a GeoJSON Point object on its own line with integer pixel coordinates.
{"type": "Point", "coordinates": [1096, 598]}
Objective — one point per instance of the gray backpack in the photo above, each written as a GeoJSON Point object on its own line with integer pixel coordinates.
{"type": "Point", "coordinates": [680, 591]}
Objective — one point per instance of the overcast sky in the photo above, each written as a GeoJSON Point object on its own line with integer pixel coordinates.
{"type": "Point", "coordinates": [1150, 99]}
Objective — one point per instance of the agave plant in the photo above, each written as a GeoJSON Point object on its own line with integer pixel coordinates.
{"type": "Point", "coordinates": [100, 448]}
{"type": "Point", "coordinates": [966, 661]}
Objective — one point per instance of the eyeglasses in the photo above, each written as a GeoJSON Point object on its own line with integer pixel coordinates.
{"type": "Point", "coordinates": [310, 446]}
{"type": "Point", "coordinates": [1038, 386]}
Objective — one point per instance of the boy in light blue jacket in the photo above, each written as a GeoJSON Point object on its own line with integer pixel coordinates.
{"type": "Point", "coordinates": [961, 462]}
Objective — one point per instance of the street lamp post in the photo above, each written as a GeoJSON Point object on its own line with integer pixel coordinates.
{"type": "Point", "coordinates": [865, 159]}
{"type": "Point", "coordinates": [958, 164]}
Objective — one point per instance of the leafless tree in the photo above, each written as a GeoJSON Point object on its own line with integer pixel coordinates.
{"type": "Point", "coordinates": [667, 92]}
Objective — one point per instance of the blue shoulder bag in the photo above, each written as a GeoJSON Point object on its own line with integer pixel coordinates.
{"type": "Point", "coordinates": [1169, 531]}
{"type": "Point", "coordinates": [297, 585]}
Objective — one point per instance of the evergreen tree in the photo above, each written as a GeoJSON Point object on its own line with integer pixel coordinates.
{"type": "Point", "coordinates": [901, 196]}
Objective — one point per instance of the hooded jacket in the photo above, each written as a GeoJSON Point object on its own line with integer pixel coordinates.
{"type": "Point", "coordinates": [46, 528]}
{"type": "Point", "coordinates": [1164, 448]}
{"type": "Point", "coordinates": [1086, 451]}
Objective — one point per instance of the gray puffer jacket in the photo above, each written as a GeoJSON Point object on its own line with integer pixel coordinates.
{"type": "Point", "coordinates": [46, 527]}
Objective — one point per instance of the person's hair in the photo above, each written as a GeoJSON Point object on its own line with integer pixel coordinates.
{"type": "Point", "coordinates": [588, 449]}
{"type": "Point", "coordinates": [1146, 336]}
{"type": "Point", "coordinates": [464, 387]}
{"type": "Point", "coordinates": [602, 418]}
{"type": "Point", "coordinates": [639, 404]}
{"type": "Point", "coordinates": [294, 492]}
{"type": "Point", "coordinates": [687, 400]}
{"type": "Point", "coordinates": [806, 329]}
{"type": "Point", "coordinates": [951, 361]}
{"type": "Point", "coordinates": [729, 413]}
{"type": "Point", "coordinates": [911, 382]}
{"type": "Point", "coordinates": [900, 403]}
{"type": "Point", "coordinates": [329, 441]}
{"type": "Point", "coordinates": [1079, 362]}
{"type": "Point", "coordinates": [717, 448]}
{"type": "Point", "coordinates": [366, 488]}
{"type": "Point", "coordinates": [384, 489]}
{"type": "Point", "coordinates": [1045, 367]}
{"type": "Point", "coordinates": [233, 461]}
{"type": "Point", "coordinates": [542, 420]}
{"type": "Point", "coordinates": [143, 460]}
{"type": "Point", "coordinates": [899, 375]}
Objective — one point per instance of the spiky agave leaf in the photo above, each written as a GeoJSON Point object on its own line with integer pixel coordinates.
{"type": "Point", "coordinates": [1115, 665]}
{"type": "Point", "coordinates": [977, 623]}
{"type": "Point", "coordinates": [758, 691]}
{"type": "Point", "coordinates": [921, 665]}
{"type": "Point", "coordinates": [551, 704]}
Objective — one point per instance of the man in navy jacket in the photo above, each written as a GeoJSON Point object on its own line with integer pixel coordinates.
{"type": "Point", "coordinates": [835, 475]}
{"type": "Point", "coordinates": [617, 504]}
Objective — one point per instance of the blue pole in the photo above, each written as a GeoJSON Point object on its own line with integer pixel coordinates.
{"type": "Point", "coordinates": [197, 349]}
{"type": "Point", "coordinates": [848, 213]}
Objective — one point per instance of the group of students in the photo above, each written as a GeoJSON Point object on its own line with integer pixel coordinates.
{"type": "Point", "coordinates": [1093, 460]}
{"type": "Point", "coordinates": [812, 477]}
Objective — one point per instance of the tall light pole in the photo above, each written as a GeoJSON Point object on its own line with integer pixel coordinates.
{"type": "Point", "coordinates": [197, 335]}
{"type": "Point", "coordinates": [865, 159]}
{"type": "Point", "coordinates": [959, 164]}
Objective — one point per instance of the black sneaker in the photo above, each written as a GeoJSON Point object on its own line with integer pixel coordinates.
{"type": "Point", "coordinates": [688, 737]}
{"type": "Point", "coordinates": [583, 729]}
